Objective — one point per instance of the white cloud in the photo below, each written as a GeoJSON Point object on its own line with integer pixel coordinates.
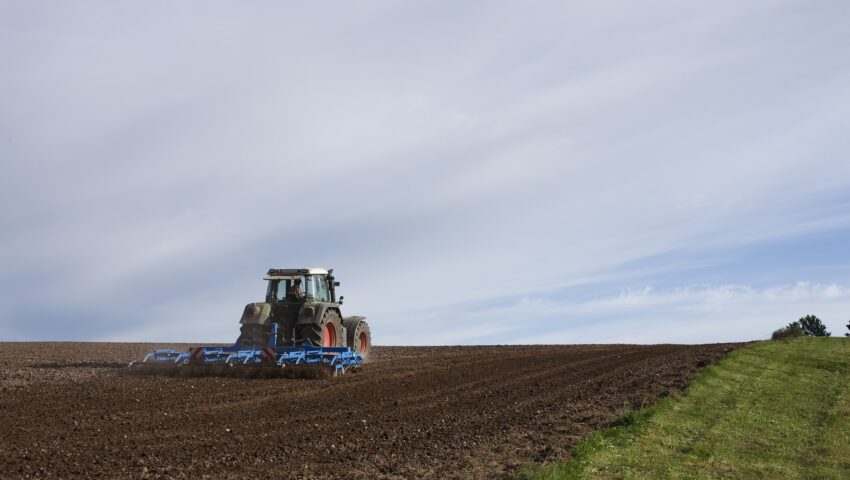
{"type": "Point", "coordinates": [686, 314]}
{"type": "Point", "coordinates": [711, 296]}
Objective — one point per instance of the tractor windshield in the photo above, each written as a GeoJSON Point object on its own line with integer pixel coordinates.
{"type": "Point", "coordinates": [317, 287]}
{"type": "Point", "coordinates": [276, 290]}
{"type": "Point", "coordinates": [312, 286]}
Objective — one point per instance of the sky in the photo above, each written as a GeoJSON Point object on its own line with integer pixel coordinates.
{"type": "Point", "coordinates": [475, 172]}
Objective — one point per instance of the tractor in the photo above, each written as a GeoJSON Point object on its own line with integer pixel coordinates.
{"type": "Point", "coordinates": [298, 330]}
{"type": "Point", "coordinates": [303, 304]}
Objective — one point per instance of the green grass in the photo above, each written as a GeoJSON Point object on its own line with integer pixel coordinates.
{"type": "Point", "coordinates": [778, 410]}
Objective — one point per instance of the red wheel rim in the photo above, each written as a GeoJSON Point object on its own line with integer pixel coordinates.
{"type": "Point", "coordinates": [364, 343]}
{"type": "Point", "coordinates": [329, 335]}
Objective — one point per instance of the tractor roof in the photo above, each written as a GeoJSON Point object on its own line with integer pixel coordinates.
{"type": "Point", "coordinates": [283, 273]}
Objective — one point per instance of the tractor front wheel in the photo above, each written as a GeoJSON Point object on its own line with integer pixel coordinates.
{"type": "Point", "coordinates": [359, 336]}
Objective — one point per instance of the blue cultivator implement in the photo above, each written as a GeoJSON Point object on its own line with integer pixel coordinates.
{"type": "Point", "coordinates": [236, 360]}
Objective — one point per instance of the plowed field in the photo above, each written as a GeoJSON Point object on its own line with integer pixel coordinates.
{"type": "Point", "coordinates": [70, 410]}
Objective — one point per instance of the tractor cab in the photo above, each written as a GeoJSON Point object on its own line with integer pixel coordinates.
{"type": "Point", "coordinates": [316, 285]}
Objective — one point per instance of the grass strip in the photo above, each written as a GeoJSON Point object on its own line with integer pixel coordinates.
{"type": "Point", "coordinates": [774, 409]}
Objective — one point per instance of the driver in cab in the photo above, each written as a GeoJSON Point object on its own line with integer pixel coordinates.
{"type": "Point", "coordinates": [295, 290]}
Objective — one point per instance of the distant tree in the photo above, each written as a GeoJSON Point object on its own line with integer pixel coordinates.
{"type": "Point", "coordinates": [793, 330]}
{"type": "Point", "coordinates": [813, 327]}
{"type": "Point", "coordinates": [848, 328]}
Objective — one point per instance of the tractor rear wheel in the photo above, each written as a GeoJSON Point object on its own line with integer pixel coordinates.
{"type": "Point", "coordinates": [326, 333]}
{"type": "Point", "coordinates": [359, 336]}
{"type": "Point", "coordinates": [253, 336]}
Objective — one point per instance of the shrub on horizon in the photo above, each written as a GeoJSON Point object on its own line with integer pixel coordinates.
{"type": "Point", "coordinates": [813, 327]}
{"type": "Point", "coordinates": [793, 330]}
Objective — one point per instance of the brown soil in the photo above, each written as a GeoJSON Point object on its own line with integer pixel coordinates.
{"type": "Point", "coordinates": [70, 410]}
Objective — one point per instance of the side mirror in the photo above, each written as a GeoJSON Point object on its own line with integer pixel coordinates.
{"type": "Point", "coordinates": [340, 299]}
{"type": "Point", "coordinates": [336, 284]}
